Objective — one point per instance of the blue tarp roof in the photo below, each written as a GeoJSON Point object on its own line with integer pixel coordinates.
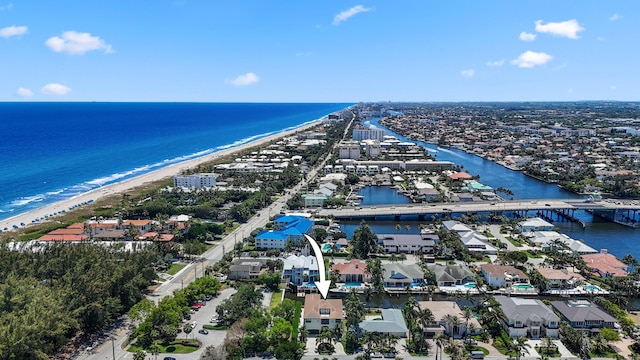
{"type": "Point", "coordinates": [277, 235]}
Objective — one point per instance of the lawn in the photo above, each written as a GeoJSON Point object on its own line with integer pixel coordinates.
{"type": "Point", "coordinates": [276, 299]}
{"type": "Point", "coordinates": [175, 267]}
{"type": "Point", "coordinates": [178, 346]}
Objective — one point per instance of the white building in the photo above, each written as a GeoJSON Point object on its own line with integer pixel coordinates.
{"type": "Point", "coordinates": [320, 314]}
{"type": "Point", "coordinates": [364, 133]}
{"type": "Point", "coordinates": [195, 181]}
{"type": "Point", "coordinates": [349, 150]}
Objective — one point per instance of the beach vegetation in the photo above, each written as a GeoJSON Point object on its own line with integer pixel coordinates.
{"type": "Point", "coordinates": [60, 291]}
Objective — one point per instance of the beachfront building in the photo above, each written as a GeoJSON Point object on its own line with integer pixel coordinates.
{"type": "Point", "coordinates": [605, 265]}
{"type": "Point", "coordinates": [584, 315]}
{"type": "Point", "coordinates": [321, 313]}
{"type": "Point", "coordinates": [392, 323]}
{"type": "Point", "coordinates": [448, 319]}
{"type": "Point", "coordinates": [195, 181]}
{"type": "Point", "coordinates": [299, 270]}
{"type": "Point", "coordinates": [400, 276]}
{"type": "Point", "coordinates": [407, 243]}
{"type": "Point", "coordinates": [530, 318]}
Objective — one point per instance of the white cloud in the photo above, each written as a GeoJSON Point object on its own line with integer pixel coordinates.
{"type": "Point", "coordinates": [22, 92]}
{"type": "Point", "coordinates": [612, 87]}
{"type": "Point", "coordinates": [529, 59]}
{"type": "Point", "coordinates": [525, 36]}
{"type": "Point", "coordinates": [76, 43]}
{"type": "Point", "coordinates": [10, 31]}
{"type": "Point", "coordinates": [7, 7]}
{"type": "Point", "coordinates": [568, 29]}
{"type": "Point", "coordinates": [244, 80]}
{"type": "Point", "coordinates": [495, 63]}
{"type": "Point", "coordinates": [615, 17]}
{"type": "Point", "coordinates": [468, 73]}
{"type": "Point", "coordinates": [343, 16]}
{"type": "Point", "coordinates": [55, 89]}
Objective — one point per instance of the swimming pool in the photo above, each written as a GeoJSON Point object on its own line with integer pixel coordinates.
{"type": "Point", "coordinates": [326, 247]}
{"type": "Point", "coordinates": [470, 285]}
{"type": "Point", "coordinates": [352, 284]}
{"type": "Point", "coordinates": [591, 288]}
{"type": "Point", "coordinates": [522, 286]}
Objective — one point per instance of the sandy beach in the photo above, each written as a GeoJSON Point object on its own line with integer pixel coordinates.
{"type": "Point", "coordinates": [120, 187]}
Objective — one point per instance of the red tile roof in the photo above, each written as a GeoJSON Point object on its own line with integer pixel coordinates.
{"type": "Point", "coordinates": [67, 231]}
{"type": "Point", "coordinates": [605, 264]}
{"type": "Point", "coordinates": [50, 237]}
{"type": "Point", "coordinates": [354, 266]}
{"type": "Point", "coordinates": [461, 176]}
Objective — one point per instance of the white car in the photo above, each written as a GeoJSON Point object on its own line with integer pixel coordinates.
{"type": "Point", "coordinates": [193, 324]}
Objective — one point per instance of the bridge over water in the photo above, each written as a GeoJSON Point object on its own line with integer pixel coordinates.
{"type": "Point", "coordinates": [624, 212]}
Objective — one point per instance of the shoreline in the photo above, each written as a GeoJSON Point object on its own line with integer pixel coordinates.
{"type": "Point", "coordinates": [62, 207]}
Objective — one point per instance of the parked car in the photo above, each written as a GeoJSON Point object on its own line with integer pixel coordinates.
{"type": "Point", "coordinates": [471, 341]}
{"type": "Point", "coordinates": [203, 331]}
{"type": "Point", "coordinates": [169, 358]}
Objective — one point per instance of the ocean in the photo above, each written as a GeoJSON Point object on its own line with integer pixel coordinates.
{"type": "Point", "coordinates": [54, 151]}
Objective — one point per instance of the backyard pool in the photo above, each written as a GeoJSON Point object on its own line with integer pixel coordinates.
{"type": "Point", "coordinates": [352, 284]}
{"type": "Point", "coordinates": [326, 247]}
{"type": "Point", "coordinates": [591, 288]}
{"type": "Point", "coordinates": [470, 285]}
{"type": "Point", "coordinates": [522, 286]}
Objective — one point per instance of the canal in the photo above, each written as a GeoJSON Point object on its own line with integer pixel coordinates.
{"type": "Point", "coordinates": [597, 233]}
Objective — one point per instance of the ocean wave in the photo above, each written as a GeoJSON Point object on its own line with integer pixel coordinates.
{"type": "Point", "coordinates": [27, 200]}
{"type": "Point", "coordinates": [51, 193]}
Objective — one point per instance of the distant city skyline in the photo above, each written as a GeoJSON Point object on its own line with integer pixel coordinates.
{"type": "Point", "coordinates": [318, 51]}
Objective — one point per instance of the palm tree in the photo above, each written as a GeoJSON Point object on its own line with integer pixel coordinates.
{"type": "Point", "coordinates": [452, 324]}
{"type": "Point", "coordinates": [519, 345]}
{"type": "Point", "coordinates": [468, 315]}
{"type": "Point", "coordinates": [441, 340]}
{"type": "Point", "coordinates": [456, 350]}
{"type": "Point", "coordinates": [303, 334]}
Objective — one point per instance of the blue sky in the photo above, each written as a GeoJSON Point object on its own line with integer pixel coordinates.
{"type": "Point", "coordinates": [318, 51]}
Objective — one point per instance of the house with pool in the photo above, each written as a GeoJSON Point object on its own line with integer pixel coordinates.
{"type": "Point", "coordinates": [300, 270]}
{"type": "Point", "coordinates": [605, 265]}
{"type": "Point", "coordinates": [401, 276]}
{"type": "Point", "coordinates": [561, 281]}
{"type": "Point", "coordinates": [453, 277]}
{"type": "Point", "coordinates": [319, 313]}
{"type": "Point", "coordinates": [352, 273]}
{"type": "Point", "coordinates": [507, 277]}
{"type": "Point", "coordinates": [530, 318]}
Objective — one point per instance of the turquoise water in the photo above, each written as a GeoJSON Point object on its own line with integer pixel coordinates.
{"type": "Point", "coordinates": [352, 284]}
{"type": "Point", "coordinates": [470, 285]}
{"type": "Point", "coordinates": [326, 247]}
{"type": "Point", "coordinates": [522, 286]}
{"type": "Point", "coordinates": [591, 288]}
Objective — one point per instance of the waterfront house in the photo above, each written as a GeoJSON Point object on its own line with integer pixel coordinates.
{"type": "Point", "coordinates": [455, 226]}
{"type": "Point", "coordinates": [451, 274]}
{"type": "Point", "coordinates": [319, 313]}
{"type": "Point", "coordinates": [535, 224]}
{"type": "Point", "coordinates": [605, 265]}
{"type": "Point", "coordinates": [448, 319]}
{"type": "Point", "coordinates": [530, 318]}
{"type": "Point", "coordinates": [476, 242]}
{"type": "Point", "coordinates": [545, 240]}
{"type": "Point", "coordinates": [560, 279]}
{"type": "Point", "coordinates": [502, 275]}
{"type": "Point", "coordinates": [353, 271]}
{"type": "Point", "coordinates": [392, 323]}
{"type": "Point", "coordinates": [408, 243]}
{"type": "Point", "coordinates": [299, 270]}
{"type": "Point", "coordinates": [584, 315]}
{"type": "Point", "coordinates": [400, 276]}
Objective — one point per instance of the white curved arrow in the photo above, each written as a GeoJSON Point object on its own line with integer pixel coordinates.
{"type": "Point", "coordinates": [323, 284]}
